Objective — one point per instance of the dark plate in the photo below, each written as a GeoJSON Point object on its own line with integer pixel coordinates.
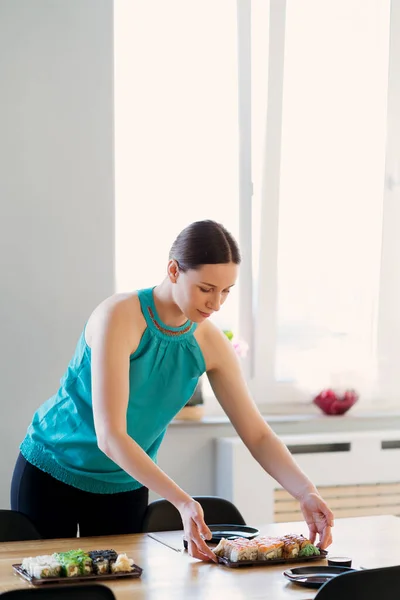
{"type": "Point", "coordinates": [275, 561]}
{"type": "Point", "coordinates": [232, 531]}
{"type": "Point", "coordinates": [314, 577]}
{"type": "Point", "coordinates": [137, 571]}
{"type": "Point", "coordinates": [226, 530]}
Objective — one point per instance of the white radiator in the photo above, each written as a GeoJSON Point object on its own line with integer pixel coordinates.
{"type": "Point", "coordinates": [358, 473]}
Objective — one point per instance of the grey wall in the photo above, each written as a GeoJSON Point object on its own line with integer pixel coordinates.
{"type": "Point", "coordinates": [56, 196]}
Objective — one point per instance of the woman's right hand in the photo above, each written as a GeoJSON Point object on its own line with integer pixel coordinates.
{"type": "Point", "coordinates": [195, 531]}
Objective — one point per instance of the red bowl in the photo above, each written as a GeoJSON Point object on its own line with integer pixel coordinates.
{"type": "Point", "coordinates": [334, 404]}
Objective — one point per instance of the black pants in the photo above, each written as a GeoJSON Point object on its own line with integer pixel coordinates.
{"type": "Point", "coordinates": [56, 508]}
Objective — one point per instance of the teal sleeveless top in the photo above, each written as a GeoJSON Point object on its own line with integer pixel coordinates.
{"type": "Point", "coordinates": [164, 371]}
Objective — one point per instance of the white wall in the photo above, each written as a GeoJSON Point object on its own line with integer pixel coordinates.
{"type": "Point", "coordinates": [196, 443]}
{"type": "Point", "coordinates": [56, 196]}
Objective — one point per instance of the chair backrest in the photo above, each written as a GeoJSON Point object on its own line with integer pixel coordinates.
{"type": "Point", "coordinates": [161, 515]}
{"type": "Point", "coordinates": [61, 592]}
{"type": "Point", "coordinates": [369, 584]}
{"type": "Point", "coordinates": [16, 527]}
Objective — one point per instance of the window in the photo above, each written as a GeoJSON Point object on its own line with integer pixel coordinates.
{"type": "Point", "coordinates": [312, 82]}
{"type": "Point", "coordinates": [327, 216]}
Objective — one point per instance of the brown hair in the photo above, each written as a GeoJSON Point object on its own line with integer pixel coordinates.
{"type": "Point", "coordinates": [204, 243]}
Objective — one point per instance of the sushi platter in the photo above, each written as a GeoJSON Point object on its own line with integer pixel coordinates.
{"type": "Point", "coordinates": [76, 566]}
{"type": "Point", "coordinates": [264, 550]}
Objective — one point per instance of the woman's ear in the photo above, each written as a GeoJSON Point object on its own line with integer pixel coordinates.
{"type": "Point", "coordinates": [173, 270]}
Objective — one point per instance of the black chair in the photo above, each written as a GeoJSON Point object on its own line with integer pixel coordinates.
{"type": "Point", "coordinates": [16, 527]}
{"type": "Point", "coordinates": [369, 584]}
{"type": "Point", "coordinates": [65, 592]}
{"type": "Point", "coordinates": [161, 515]}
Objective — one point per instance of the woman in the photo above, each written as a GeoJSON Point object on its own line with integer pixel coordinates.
{"type": "Point", "coordinates": [89, 456]}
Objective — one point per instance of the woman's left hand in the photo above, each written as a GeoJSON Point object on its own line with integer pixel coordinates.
{"type": "Point", "coordinates": [319, 518]}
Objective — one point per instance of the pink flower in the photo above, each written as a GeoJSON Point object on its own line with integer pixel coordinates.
{"type": "Point", "coordinates": [241, 347]}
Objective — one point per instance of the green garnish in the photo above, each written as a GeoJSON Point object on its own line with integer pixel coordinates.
{"type": "Point", "coordinates": [73, 557]}
{"type": "Point", "coordinates": [309, 550]}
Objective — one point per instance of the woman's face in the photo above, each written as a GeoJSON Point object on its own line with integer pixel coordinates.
{"type": "Point", "coordinates": [201, 292]}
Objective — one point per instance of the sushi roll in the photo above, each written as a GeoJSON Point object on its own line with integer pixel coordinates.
{"type": "Point", "coordinates": [110, 555]}
{"type": "Point", "coordinates": [26, 563]}
{"type": "Point", "coordinates": [252, 549]}
{"type": "Point", "coordinates": [225, 547]}
{"type": "Point", "coordinates": [303, 541]}
{"type": "Point", "coordinates": [269, 548]}
{"type": "Point", "coordinates": [86, 566]}
{"type": "Point", "coordinates": [306, 548]}
{"type": "Point", "coordinates": [242, 549]}
{"type": "Point", "coordinates": [101, 565]}
{"type": "Point", "coordinates": [75, 563]}
{"type": "Point", "coordinates": [291, 547]}
{"type": "Point", "coordinates": [237, 550]}
{"type": "Point", "coordinates": [123, 564]}
{"type": "Point", "coordinates": [222, 548]}
{"type": "Point", "coordinates": [102, 560]}
{"type": "Point", "coordinates": [85, 562]}
{"type": "Point", "coordinates": [299, 539]}
{"type": "Point", "coordinates": [69, 567]}
{"type": "Point", "coordinates": [42, 567]}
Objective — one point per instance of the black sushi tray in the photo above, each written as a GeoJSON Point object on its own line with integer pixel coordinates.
{"type": "Point", "coordinates": [137, 571]}
{"type": "Point", "coordinates": [273, 561]}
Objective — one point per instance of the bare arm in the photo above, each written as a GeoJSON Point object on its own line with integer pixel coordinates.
{"type": "Point", "coordinates": [230, 388]}
{"type": "Point", "coordinates": [111, 348]}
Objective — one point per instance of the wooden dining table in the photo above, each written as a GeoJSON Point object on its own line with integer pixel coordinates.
{"type": "Point", "coordinates": [169, 572]}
